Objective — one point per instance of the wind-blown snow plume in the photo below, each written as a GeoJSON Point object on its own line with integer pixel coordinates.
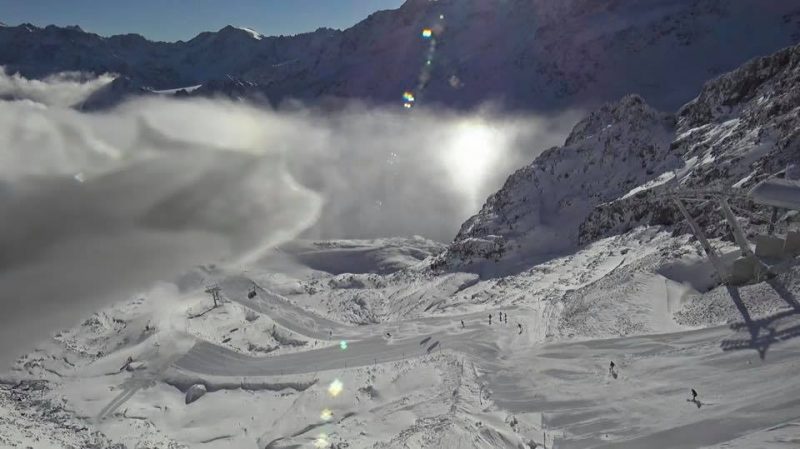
{"type": "Point", "coordinates": [97, 205]}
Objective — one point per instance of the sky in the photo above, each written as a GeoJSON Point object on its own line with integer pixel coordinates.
{"type": "Point", "coordinates": [171, 20]}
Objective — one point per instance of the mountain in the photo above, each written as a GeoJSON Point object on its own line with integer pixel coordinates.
{"type": "Point", "coordinates": [615, 167]}
{"type": "Point", "coordinates": [524, 54]}
{"type": "Point", "coordinates": [360, 344]}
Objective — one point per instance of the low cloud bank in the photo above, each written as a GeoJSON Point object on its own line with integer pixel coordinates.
{"type": "Point", "coordinates": [95, 206]}
{"type": "Point", "coordinates": [63, 89]}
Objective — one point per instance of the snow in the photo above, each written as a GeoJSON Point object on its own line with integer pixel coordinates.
{"type": "Point", "coordinates": [536, 55]}
{"type": "Point", "coordinates": [662, 179]}
{"type": "Point", "coordinates": [256, 35]}
{"type": "Point", "coordinates": [175, 90]}
{"type": "Point", "coordinates": [397, 342]}
{"type": "Point", "coordinates": [782, 193]}
{"type": "Point", "coordinates": [428, 381]}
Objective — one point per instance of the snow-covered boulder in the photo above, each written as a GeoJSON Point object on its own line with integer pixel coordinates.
{"type": "Point", "coordinates": [135, 366]}
{"type": "Point", "coordinates": [195, 392]}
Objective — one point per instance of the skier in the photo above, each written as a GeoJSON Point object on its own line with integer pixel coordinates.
{"type": "Point", "coordinates": [506, 316]}
{"type": "Point", "coordinates": [501, 316]}
{"type": "Point", "coordinates": [612, 369]}
{"type": "Point", "coordinates": [462, 324]}
{"type": "Point", "coordinates": [490, 319]}
{"type": "Point", "coordinates": [520, 328]}
{"type": "Point", "coordinates": [694, 395]}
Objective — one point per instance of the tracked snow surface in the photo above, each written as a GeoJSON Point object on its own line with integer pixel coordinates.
{"type": "Point", "coordinates": [407, 350]}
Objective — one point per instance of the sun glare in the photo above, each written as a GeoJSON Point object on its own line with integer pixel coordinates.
{"type": "Point", "coordinates": [472, 151]}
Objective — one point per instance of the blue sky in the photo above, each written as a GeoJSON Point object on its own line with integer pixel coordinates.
{"type": "Point", "coordinates": [172, 20]}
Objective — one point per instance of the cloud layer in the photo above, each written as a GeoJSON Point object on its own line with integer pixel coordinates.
{"type": "Point", "coordinates": [64, 89]}
{"type": "Point", "coordinates": [98, 205]}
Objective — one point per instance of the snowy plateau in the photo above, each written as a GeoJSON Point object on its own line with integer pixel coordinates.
{"type": "Point", "coordinates": [575, 308]}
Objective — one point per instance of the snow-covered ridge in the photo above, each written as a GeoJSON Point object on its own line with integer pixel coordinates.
{"type": "Point", "coordinates": [540, 207]}
{"type": "Point", "coordinates": [611, 174]}
{"type": "Point", "coordinates": [522, 54]}
{"type": "Point", "coordinates": [742, 128]}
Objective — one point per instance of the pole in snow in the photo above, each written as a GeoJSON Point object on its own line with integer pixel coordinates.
{"type": "Point", "coordinates": [214, 292]}
{"type": "Point", "coordinates": [701, 237]}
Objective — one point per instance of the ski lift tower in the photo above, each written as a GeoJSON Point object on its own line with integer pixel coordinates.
{"type": "Point", "coordinates": [214, 291]}
{"type": "Point", "coordinates": [748, 265]}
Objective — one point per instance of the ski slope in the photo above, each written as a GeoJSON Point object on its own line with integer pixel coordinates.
{"type": "Point", "coordinates": [567, 385]}
{"type": "Point", "coordinates": [269, 362]}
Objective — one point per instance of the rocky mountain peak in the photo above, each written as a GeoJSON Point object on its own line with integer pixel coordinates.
{"type": "Point", "coordinates": [770, 78]}
{"type": "Point", "coordinates": [540, 207]}
{"type": "Point", "coordinates": [742, 128]}
{"type": "Point", "coordinates": [617, 164]}
{"type": "Point", "coordinates": [531, 55]}
{"type": "Point", "coordinates": [631, 109]}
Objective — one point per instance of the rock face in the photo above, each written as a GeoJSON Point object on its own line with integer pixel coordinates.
{"type": "Point", "coordinates": [540, 208]}
{"type": "Point", "coordinates": [112, 93]}
{"type": "Point", "coordinates": [528, 54]}
{"type": "Point", "coordinates": [742, 128]}
{"type": "Point", "coordinates": [614, 169]}
{"type": "Point", "coordinates": [195, 392]}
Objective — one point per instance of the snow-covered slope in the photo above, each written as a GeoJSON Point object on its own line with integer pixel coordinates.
{"type": "Point", "coordinates": [532, 54]}
{"type": "Point", "coordinates": [277, 375]}
{"type": "Point", "coordinates": [612, 172]}
{"type": "Point", "coordinates": [540, 207]}
{"type": "Point", "coordinates": [742, 128]}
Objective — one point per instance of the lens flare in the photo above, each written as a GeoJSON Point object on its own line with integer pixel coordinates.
{"type": "Point", "coordinates": [322, 442]}
{"type": "Point", "coordinates": [408, 99]}
{"type": "Point", "coordinates": [335, 388]}
{"type": "Point", "coordinates": [427, 33]}
{"type": "Point", "coordinates": [326, 415]}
